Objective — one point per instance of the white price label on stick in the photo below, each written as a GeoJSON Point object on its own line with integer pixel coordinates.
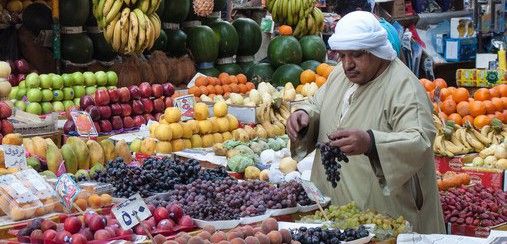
{"type": "Point", "coordinates": [312, 191]}
{"type": "Point", "coordinates": [14, 156]}
{"type": "Point", "coordinates": [126, 212]}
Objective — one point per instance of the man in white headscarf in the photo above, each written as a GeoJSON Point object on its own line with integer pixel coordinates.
{"type": "Point", "coordinates": [374, 109]}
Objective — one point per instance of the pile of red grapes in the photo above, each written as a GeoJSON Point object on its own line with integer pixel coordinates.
{"type": "Point", "coordinates": [330, 157]}
{"type": "Point", "coordinates": [231, 199]}
{"type": "Point", "coordinates": [327, 236]}
{"type": "Point", "coordinates": [155, 175]}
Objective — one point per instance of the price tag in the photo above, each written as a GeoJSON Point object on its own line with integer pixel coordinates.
{"type": "Point", "coordinates": [14, 156]}
{"type": "Point", "coordinates": [186, 105]}
{"type": "Point", "coordinates": [313, 192]}
{"type": "Point", "coordinates": [84, 124]}
{"type": "Point", "coordinates": [67, 189]}
{"type": "Point", "coordinates": [126, 212]}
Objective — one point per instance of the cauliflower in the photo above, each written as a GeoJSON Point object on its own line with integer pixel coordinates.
{"type": "Point", "coordinates": [230, 144]}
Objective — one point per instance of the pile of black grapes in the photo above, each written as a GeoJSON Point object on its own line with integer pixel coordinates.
{"type": "Point", "coordinates": [327, 236]}
{"type": "Point", "coordinates": [301, 196]}
{"type": "Point", "coordinates": [330, 157]}
{"type": "Point", "coordinates": [154, 176]}
{"type": "Point", "coordinates": [230, 199]}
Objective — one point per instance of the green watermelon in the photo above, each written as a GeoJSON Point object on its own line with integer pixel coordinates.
{"type": "Point", "coordinates": [232, 69]}
{"type": "Point", "coordinates": [250, 36]}
{"type": "Point", "coordinates": [74, 12]}
{"type": "Point", "coordinates": [161, 42]}
{"type": "Point", "coordinates": [101, 49]}
{"type": "Point", "coordinates": [176, 11]}
{"type": "Point", "coordinates": [228, 39]}
{"type": "Point", "coordinates": [313, 48]}
{"type": "Point", "coordinates": [284, 50]}
{"type": "Point", "coordinates": [310, 64]}
{"type": "Point", "coordinates": [77, 48]}
{"type": "Point", "coordinates": [286, 73]}
{"type": "Point", "coordinates": [176, 43]}
{"type": "Point", "coordinates": [209, 71]}
{"type": "Point", "coordinates": [203, 44]}
{"type": "Point", "coordinates": [260, 72]}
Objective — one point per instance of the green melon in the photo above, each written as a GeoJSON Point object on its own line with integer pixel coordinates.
{"type": "Point", "coordinates": [176, 11]}
{"type": "Point", "coordinates": [161, 42]}
{"type": "Point", "coordinates": [250, 36]}
{"type": "Point", "coordinates": [77, 48]}
{"type": "Point", "coordinates": [246, 66]}
{"type": "Point", "coordinates": [209, 71]}
{"type": "Point", "coordinates": [74, 12]}
{"type": "Point", "coordinates": [101, 49]}
{"type": "Point", "coordinates": [284, 50]}
{"type": "Point", "coordinates": [232, 69]}
{"type": "Point", "coordinates": [310, 64]}
{"type": "Point", "coordinates": [176, 43]}
{"type": "Point", "coordinates": [313, 48]}
{"type": "Point", "coordinates": [228, 39]}
{"type": "Point", "coordinates": [286, 73]}
{"type": "Point", "coordinates": [203, 44]}
{"type": "Point", "coordinates": [260, 72]}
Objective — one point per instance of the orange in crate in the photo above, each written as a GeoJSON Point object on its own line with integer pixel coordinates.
{"type": "Point", "coordinates": [482, 94]}
{"type": "Point", "coordinates": [481, 121]}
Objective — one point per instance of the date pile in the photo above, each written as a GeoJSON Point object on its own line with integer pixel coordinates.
{"type": "Point", "coordinates": [475, 205]}
{"type": "Point", "coordinates": [230, 199]}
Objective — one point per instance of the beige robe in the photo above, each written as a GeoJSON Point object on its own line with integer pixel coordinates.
{"type": "Point", "coordinates": [395, 107]}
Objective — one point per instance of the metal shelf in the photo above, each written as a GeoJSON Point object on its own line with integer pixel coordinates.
{"type": "Point", "coordinates": [426, 19]}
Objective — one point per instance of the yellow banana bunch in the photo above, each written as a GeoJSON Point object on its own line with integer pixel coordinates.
{"type": "Point", "coordinates": [300, 14]}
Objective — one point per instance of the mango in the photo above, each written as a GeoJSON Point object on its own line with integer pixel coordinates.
{"type": "Point", "coordinates": [40, 146]}
{"type": "Point", "coordinates": [81, 151]}
{"type": "Point", "coordinates": [70, 158]}
{"type": "Point", "coordinates": [28, 144]}
{"type": "Point", "coordinates": [123, 151]}
{"type": "Point", "coordinates": [13, 139]}
{"type": "Point", "coordinates": [54, 158]}
{"type": "Point", "coordinates": [108, 147]}
{"type": "Point", "coordinates": [96, 152]}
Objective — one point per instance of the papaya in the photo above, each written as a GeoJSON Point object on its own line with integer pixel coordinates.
{"type": "Point", "coordinates": [53, 157]}
{"type": "Point", "coordinates": [40, 146]}
{"type": "Point", "coordinates": [81, 151]}
{"type": "Point", "coordinates": [70, 158]}
{"type": "Point", "coordinates": [108, 147]}
{"type": "Point", "coordinates": [123, 151]}
{"type": "Point", "coordinates": [96, 152]}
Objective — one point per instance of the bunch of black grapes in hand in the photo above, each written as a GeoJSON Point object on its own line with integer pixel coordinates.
{"type": "Point", "coordinates": [331, 156]}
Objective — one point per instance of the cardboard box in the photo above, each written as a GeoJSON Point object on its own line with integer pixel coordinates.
{"type": "Point", "coordinates": [394, 8]}
{"type": "Point", "coordinates": [460, 49]}
{"type": "Point", "coordinates": [475, 231]}
{"type": "Point", "coordinates": [480, 77]}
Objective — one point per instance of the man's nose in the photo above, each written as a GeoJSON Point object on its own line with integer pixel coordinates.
{"type": "Point", "coordinates": [348, 64]}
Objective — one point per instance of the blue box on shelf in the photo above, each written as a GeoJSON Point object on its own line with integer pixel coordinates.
{"type": "Point", "coordinates": [460, 49]}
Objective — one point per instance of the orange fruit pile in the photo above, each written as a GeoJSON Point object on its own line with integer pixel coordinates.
{"type": "Point", "coordinates": [457, 105]}
{"type": "Point", "coordinates": [223, 85]}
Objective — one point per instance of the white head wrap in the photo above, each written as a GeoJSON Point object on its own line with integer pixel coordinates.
{"type": "Point", "coordinates": [360, 30]}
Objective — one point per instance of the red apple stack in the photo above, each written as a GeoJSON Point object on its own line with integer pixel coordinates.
{"type": "Point", "coordinates": [6, 126]}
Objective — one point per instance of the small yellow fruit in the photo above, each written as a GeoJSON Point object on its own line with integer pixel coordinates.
{"type": "Point", "coordinates": [223, 124]}
{"type": "Point", "coordinates": [172, 115]}
{"type": "Point", "coordinates": [177, 130]}
{"type": "Point", "coordinates": [205, 127]}
{"type": "Point", "coordinates": [195, 126]}
{"type": "Point", "coordinates": [208, 140]}
{"type": "Point", "coordinates": [214, 125]}
{"type": "Point", "coordinates": [163, 132]}
{"type": "Point", "coordinates": [233, 122]}
{"type": "Point", "coordinates": [218, 138]}
{"type": "Point", "coordinates": [227, 136]}
{"type": "Point", "coordinates": [187, 130]}
{"type": "Point", "coordinates": [201, 111]}
{"type": "Point", "coordinates": [196, 141]}
{"type": "Point", "coordinates": [178, 145]}
{"type": "Point", "coordinates": [153, 127]}
{"type": "Point", "coordinates": [220, 109]}
{"type": "Point", "coordinates": [164, 147]}
{"type": "Point", "coordinates": [187, 143]}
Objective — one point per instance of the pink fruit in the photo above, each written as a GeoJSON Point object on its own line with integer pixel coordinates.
{"type": "Point", "coordinates": [159, 105]}
{"type": "Point", "coordinates": [160, 214]}
{"type": "Point", "coordinates": [37, 236]}
{"type": "Point", "coordinates": [102, 235]}
{"type": "Point", "coordinates": [145, 89]}
{"type": "Point", "coordinates": [105, 112]}
{"type": "Point", "coordinates": [102, 97]}
{"type": "Point", "coordinates": [86, 233]}
{"type": "Point", "coordinates": [128, 122]}
{"type": "Point", "coordinates": [135, 93]}
{"type": "Point", "coordinates": [165, 224]}
{"type": "Point", "coordinates": [117, 122]}
{"type": "Point", "coordinates": [147, 104]}
{"type": "Point", "coordinates": [168, 89]}
{"type": "Point", "coordinates": [124, 94]}
{"type": "Point", "coordinates": [114, 95]}
{"type": "Point", "coordinates": [116, 109]}
{"type": "Point", "coordinates": [175, 212]}
{"type": "Point", "coordinates": [62, 236]}
{"type": "Point", "coordinates": [85, 102]}
{"type": "Point", "coordinates": [97, 222]}
{"type": "Point", "coordinates": [78, 239]}
{"type": "Point", "coordinates": [49, 234]}
{"type": "Point", "coordinates": [186, 221]}
{"type": "Point", "coordinates": [157, 90]}
{"type": "Point", "coordinates": [5, 110]}
{"type": "Point", "coordinates": [126, 109]}
{"type": "Point", "coordinates": [72, 225]}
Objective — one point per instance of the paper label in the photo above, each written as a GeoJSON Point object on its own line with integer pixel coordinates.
{"type": "Point", "coordinates": [18, 188]}
{"type": "Point", "coordinates": [312, 191]}
{"type": "Point", "coordinates": [84, 124]}
{"type": "Point", "coordinates": [67, 189]}
{"type": "Point", "coordinates": [127, 211]}
{"type": "Point", "coordinates": [14, 156]}
{"type": "Point", "coordinates": [186, 105]}
{"type": "Point", "coordinates": [72, 29]}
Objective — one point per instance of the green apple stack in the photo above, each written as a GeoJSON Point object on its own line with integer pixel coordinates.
{"type": "Point", "coordinates": [47, 93]}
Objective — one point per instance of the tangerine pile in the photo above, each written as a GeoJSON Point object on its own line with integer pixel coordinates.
{"type": "Point", "coordinates": [319, 76]}
{"type": "Point", "coordinates": [223, 85]}
{"type": "Point", "coordinates": [457, 105]}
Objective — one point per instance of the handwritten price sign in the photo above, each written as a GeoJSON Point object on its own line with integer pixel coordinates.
{"type": "Point", "coordinates": [67, 189]}
{"type": "Point", "coordinates": [14, 156]}
{"type": "Point", "coordinates": [313, 192]}
{"type": "Point", "coordinates": [130, 212]}
{"type": "Point", "coordinates": [186, 105]}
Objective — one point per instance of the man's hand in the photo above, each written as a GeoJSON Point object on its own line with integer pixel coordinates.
{"type": "Point", "coordinates": [351, 141]}
{"type": "Point", "coordinates": [296, 122]}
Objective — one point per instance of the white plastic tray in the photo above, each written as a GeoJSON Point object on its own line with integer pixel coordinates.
{"type": "Point", "coordinates": [283, 211]}
{"type": "Point", "coordinates": [255, 219]}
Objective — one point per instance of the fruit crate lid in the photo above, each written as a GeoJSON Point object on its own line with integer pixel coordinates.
{"type": "Point", "coordinates": [31, 125]}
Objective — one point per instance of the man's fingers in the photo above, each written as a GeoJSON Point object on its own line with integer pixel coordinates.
{"type": "Point", "coordinates": [344, 141]}
{"type": "Point", "coordinates": [348, 150]}
{"type": "Point", "coordinates": [303, 120]}
{"type": "Point", "coordinates": [338, 134]}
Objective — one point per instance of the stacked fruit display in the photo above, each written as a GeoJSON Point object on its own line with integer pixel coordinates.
{"type": "Point", "coordinates": [350, 216]}
{"type": "Point", "coordinates": [474, 206]}
{"type": "Point", "coordinates": [19, 69]}
{"type": "Point", "coordinates": [47, 93]}
{"type": "Point", "coordinates": [228, 199]}
{"type": "Point", "coordinates": [225, 84]}
{"type": "Point", "coordinates": [91, 227]}
{"type": "Point", "coordinates": [303, 15]}
{"type": "Point", "coordinates": [6, 126]}
{"type": "Point", "coordinates": [130, 180]}
{"type": "Point", "coordinates": [125, 108]}
{"type": "Point", "coordinates": [453, 139]}
{"type": "Point", "coordinates": [312, 80]}
{"type": "Point", "coordinates": [129, 26]}
{"type": "Point", "coordinates": [493, 157]}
